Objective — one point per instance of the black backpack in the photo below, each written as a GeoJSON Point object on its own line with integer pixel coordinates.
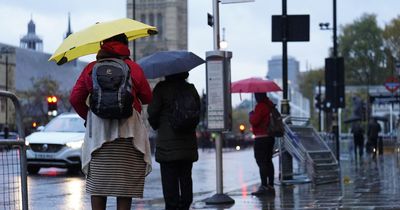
{"type": "Point", "coordinates": [185, 113]}
{"type": "Point", "coordinates": [112, 89]}
{"type": "Point", "coordinates": [275, 127]}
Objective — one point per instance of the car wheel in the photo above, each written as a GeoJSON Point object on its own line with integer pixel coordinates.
{"type": "Point", "coordinates": [33, 169]}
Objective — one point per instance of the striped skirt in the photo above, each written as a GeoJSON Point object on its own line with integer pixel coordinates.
{"type": "Point", "coordinates": [116, 169]}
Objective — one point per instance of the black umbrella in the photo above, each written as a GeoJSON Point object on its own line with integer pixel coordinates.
{"type": "Point", "coordinates": [352, 119]}
{"type": "Point", "coordinates": [166, 63]}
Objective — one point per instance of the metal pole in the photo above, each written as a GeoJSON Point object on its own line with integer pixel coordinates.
{"type": "Point", "coordinates": [319, 108]}
{"type": "Point", "coordinates": [367, 102]}
{"type": "Point", "coordinates": [284, 53]}
{"type": "Point", "coordinates": [134, 17]}
{"type": "Point", "coordinates": [6, 122]}
{"type": "Point", "coordinates": [218, 148]}
{"type": "Point", "coordinates": [335, 53]}
{"type": "Point", "coordinates": [216, 24]}
{"type": "Point", "coordinates": [286, 159]}
{"type": "Point", "coordinates": [335, 123]}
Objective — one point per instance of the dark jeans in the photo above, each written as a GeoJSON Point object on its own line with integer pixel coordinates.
{"type": "Point", "coordinates": [176, 178]}
{"type": "Point", "coordinates": [358, 145]}
{"type": "Point", "coordinates": [263, 150]}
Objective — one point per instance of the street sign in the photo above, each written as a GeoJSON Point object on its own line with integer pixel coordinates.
{"type": "Point", "coordinates": [384, 99]}
{"type": "Point", "coordinates": [297, 26]}
{"type": "Point", "coordinates": [219, 108]}
{"type": "Point", "coordinates": [392, 84]}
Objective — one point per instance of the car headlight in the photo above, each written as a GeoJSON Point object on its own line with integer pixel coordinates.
{"type": "Point", "coordinates": [75, 144]}
{"type": "Point", "coordinates": [26, 143]}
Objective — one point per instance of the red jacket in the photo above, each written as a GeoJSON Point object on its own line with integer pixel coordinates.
{"type": "Point", "coordinates": [84, 84]}
{"type": "Point", "coordinates": [259, 118]}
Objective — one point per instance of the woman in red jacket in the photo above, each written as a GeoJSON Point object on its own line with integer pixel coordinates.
{"type": "Point", "coordinates": [115, 153]}
{"type": "Point", "coordinates": [264, 143]}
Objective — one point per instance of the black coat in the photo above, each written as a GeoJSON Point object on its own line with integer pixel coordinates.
{"type": "Point", "coordinates": [171, 145]}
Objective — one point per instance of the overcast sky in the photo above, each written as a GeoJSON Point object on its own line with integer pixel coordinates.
{"type": "Point", "coordinates": [248, 27]}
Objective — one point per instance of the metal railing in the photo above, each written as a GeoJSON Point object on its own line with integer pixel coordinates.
{"type": "Point", "coordinates": [13, 174]}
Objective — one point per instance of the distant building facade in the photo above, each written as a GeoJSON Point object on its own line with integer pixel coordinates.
{"type": "Point", "coordinates": [31, 40]}
{"type": "Point", "coordinates": [27, 64]}
{"type": "Point", "coordinates": [275, 69]}
{"type": "Point", "coordinates": [299, 105]}
{"type": "Point", "coordinates": [171, 19]}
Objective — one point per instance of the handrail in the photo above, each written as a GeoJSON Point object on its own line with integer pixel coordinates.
{"type": "Point", "coordinates": [21, 142]}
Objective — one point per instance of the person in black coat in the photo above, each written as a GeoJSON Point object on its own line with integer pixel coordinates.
{"type": "Point", "coordinates": [175, 150]}
{"type": "Point", "coordinates": [358, 137]}
{"type": "Point", "coordinates": [373, 133]}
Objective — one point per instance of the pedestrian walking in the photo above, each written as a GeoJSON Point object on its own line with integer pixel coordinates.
{"type": "Point", "coordinates": [373, 133]}
{"type": "Point", "coordinates": [358, 139]}
{"type": "Point", "coordinates": [116, 152]}
{"type": "Point", "coordinates": [264, 142]}
{"type": "Point", "coordinates": [176, 144]}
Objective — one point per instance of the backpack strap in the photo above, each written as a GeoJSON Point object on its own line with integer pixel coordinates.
{"type": "Point", "coordinates": [126, 59]}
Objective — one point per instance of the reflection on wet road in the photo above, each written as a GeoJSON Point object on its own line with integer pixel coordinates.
{"type": "Point", "coordinates": [367, 184]}
{"type": "Point", "coordinates": [54, 188]}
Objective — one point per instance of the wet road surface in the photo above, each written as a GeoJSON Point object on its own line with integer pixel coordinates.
{"type": "Point", "coordinates": [366, 184]}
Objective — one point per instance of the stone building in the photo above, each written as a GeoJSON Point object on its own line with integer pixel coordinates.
{"type": "Point", "coordinates": [26, 64]}
{"type": "Point", "coordinates": [171, 19]}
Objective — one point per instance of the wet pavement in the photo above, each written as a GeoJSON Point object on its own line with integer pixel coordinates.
{"type": "Point", "coordinates": [370, 183]}
{"type": "Point", "coordinates": [366, 184]}
{"type": "Point", "coordinates": [55, 189]}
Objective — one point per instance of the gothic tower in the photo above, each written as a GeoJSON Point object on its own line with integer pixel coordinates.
{"type": "Point", "coordinates": [31, 40]}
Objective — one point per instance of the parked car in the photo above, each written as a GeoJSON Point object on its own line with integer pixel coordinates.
{"type": "Point", "coordinates": [57, 145]}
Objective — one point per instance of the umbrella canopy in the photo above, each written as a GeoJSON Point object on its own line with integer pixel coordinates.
{"type": "Point", "coordinates": [166, 63]}
{"type": "Point", "coordinates": [87, 41]}
{"type": "Point", "coordinates": [380, 118]}
{"type": "Point", "coordinates": [352, 119]}
{"type": "Point", "coordinates": [254, 85]}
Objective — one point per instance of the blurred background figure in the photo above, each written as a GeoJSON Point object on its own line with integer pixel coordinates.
{"type": "Point", "coordinates": [373, 133]}
{"type": "Point", "coordinates": [358, 137]}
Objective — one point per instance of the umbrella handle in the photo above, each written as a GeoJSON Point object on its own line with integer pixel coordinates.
{"type": "Point", "coordinates": [62, 60]}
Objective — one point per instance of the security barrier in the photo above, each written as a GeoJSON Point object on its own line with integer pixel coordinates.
{"type": "Point", "coordinates": [13, 174]}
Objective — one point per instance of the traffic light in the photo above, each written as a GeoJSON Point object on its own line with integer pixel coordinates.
{"type": "Point", "coordinates": [242, 128]}
{"type": "Point", "coordinates": [210, 20]}
{"type": "Point", "coordinates": [52, 105]}
{"type": "Point", "coordinates": [318, 101]}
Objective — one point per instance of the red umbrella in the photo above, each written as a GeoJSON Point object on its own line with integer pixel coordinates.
{"type": "Point", "coordinates": [254, 85]}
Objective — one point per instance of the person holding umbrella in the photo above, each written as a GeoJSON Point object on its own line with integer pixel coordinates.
{"type": "Point", "coordinates": [176, 148]}
{"type": "Point", "coordinates": [358, 139]}
{"type": "Point", "coordinates": [116, 152]}
{"type": "Point", "coordinates": [174, 113]}
{"type": "Point", "coordinates": [264, 143]}
{"type": "Point", "coordinates": [260, 121]}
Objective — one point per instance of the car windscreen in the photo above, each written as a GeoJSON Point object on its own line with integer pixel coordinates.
{"type": "Point", "coordinates": [65, 124]}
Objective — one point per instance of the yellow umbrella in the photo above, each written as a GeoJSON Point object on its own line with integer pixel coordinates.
{"type": "Point", "coordinates": [87, 41]}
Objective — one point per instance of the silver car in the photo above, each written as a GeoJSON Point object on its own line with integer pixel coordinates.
{"type": "Point", "coordinates": [57, 145]}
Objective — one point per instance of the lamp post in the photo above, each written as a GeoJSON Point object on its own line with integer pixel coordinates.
{"type": "Point", "coordinates": [223, 44]}
{"type": "Point", "coordinates": [218, 71]}
{"type": "Point", "coordinates": [335, 118]}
